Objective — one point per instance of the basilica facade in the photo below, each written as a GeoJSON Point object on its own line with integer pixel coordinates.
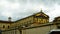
{"type": "Point", "coordinates": [37, 23]}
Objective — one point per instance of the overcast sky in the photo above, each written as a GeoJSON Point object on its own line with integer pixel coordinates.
{"type": "Point", "coordinates": [18, 9]}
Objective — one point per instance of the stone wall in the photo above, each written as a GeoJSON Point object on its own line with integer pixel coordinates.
{"type": "Point", "coordinates": [39, 30]}
{"type": "Point", "coordinates": [11, 32]}
{"type": "Point", "coordinates": [4, 26]}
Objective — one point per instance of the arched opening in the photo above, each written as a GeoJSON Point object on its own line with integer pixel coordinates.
{"type": "Point", "coordinates": [3, 26]}
{"type": "Point", "coordinates": [8, 26]}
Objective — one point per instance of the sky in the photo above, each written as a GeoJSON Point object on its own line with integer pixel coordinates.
{"type": "Point", "coordinates": [18, 9]}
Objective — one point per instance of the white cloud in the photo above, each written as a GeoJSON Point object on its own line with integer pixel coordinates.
{"type": "Point", "coordinates": [55, 12]}
{"type": "Point", "coordinates": [7, 14]}
{"type": "Point", "coordinates": [20, 8]}
{"type": "Point", "coordinates": [15, 6]}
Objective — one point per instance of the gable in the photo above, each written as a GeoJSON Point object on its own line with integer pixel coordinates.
{"type": "Point", "coordinates": [41, 14]}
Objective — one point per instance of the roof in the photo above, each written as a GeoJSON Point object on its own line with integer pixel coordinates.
{"type": "Point", "coordinates": [23, 18]}
{"type": "Point", "coordinates": [1, 21]}
{"type": "Point", "coordinates": [41, 14]}
{"type": "Point", "coordinates": [34, 15]}
{"type": "Point", "coordinates": [56, 19]}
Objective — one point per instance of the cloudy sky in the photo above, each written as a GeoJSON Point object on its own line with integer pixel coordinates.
{"type": "Point", "coordinates": [18, 9]}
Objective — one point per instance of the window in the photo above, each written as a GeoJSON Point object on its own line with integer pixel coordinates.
{"type": "Point", "coordinates": [3, 26]}
{"type": "Point", "coordinates": [8, 26]}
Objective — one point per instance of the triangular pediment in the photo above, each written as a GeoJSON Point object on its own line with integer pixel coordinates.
{"type": "Point", "coordinates": [41, 14]}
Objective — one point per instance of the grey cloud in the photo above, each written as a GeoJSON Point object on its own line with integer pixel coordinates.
{"type": "Point", "coordinates": [22, 1]}
{"type": "Point", "coordinates": [12, 1]}
{"type": "Point", "coordinates": [58, 2]}
{"type": "Point", "coordinates": [18, 1]}
{"type": "Point", "coordinates": [49, 3]}
{"type": "Point", "coordinates": [25, 9]}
